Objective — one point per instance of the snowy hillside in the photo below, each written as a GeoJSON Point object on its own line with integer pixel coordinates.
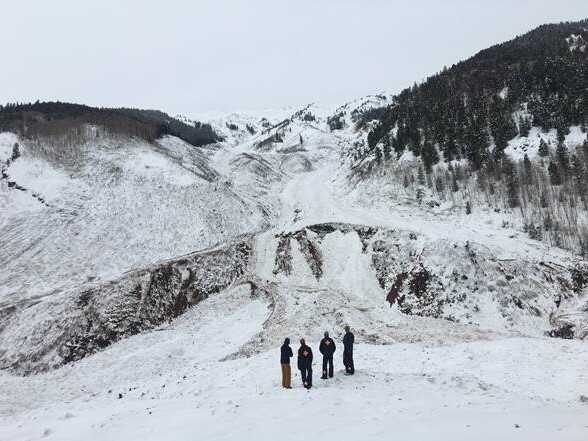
{"type": "Point", "coordinates": [147, 296]}
{"type": "Point", "coordinates": [110, 205]}
{"type": "Point", "coordinates": [171, 384]}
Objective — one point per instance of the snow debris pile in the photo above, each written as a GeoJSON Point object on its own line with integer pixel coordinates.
{"type": "Point", "coordinates": [318, 244]}
{"type": "Point", "coordinates": [100, 314]}
{"type": "Point", "coordinates": [41, 335]}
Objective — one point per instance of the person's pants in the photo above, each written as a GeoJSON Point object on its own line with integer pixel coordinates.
{"type": "Point", "coordinates": [306, 374]}
{"type": "Point", "coordinates": [327, 365]}
{"type": "Point", "coordinates": [348, 362]}
{"type": "Point", "coordinates": [286, 375]}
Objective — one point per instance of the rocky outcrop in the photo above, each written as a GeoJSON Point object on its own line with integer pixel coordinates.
{"type": "Point", "coordinates": [464, 282]}
{"type": "Point", "coordinates": [283, 260]}
{"type": "Point", "coordinates": [67, 327]}
{"type": "Point", "coordinates": [12, 184]}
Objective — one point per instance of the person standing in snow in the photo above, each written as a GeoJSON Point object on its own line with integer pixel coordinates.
{"type": "Point", "coordinates": [305, 363]}
{"type": "Point", "coordinates": [327, 348]}
{"type": "Point", "coordinates": [348, 340]}
{"type": "Point", "coordinates": [285, 355]}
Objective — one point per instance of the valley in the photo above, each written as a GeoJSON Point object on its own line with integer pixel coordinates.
{"type": "Point", "coordinates": [152, 266]}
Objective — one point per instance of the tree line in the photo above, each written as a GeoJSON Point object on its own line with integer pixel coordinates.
{"type": "Point", "coordinates": [56, 119]}
{"type": "Point", "coordinates": [474, 108]}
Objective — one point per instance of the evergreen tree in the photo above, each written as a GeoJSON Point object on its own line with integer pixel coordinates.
{"type": "Point", "coordinates": [563, 157]}
{"type": "Point", "coordinates": [543, 149]}
{"type": "Point", "coordinates": [562, 131]}
{"type": "Point", "coordinates": [378, 155]}
{"type": "Point", "coordinates": [512, 183]}
{"type": "Point", "coordinates": [387, 150]}
{"type": "Point", "coordinates": [421, 176]}
{"type": "Point", "coordinates": [524, 126]}
{"type": "Point", "coordinates": [501, 125]}
{"type": "Point", "coordinates": [15, 152]}
{"type": "Point", "coordinates": [399, 143]}
{"type": "Point", "coordinates": [420, 194]}
{"type": "Point", "coordinates": [454, 183]}
{"type": "Point", "coordinates": [554, 174]}
{"type": "Point", "coordinates": [439, 184]}
{"type": "Point", "coordinates": [580, 177]}
{"type": "Point", "coordinates": [430, 156]}
{"type": "Point", "coordinates": [528, 167]}
{"type": "Point", "coordinates": [476, 142]}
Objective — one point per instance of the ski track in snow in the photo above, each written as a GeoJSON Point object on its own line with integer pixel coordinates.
{"type": "Point", "coordinates": [174, 384]}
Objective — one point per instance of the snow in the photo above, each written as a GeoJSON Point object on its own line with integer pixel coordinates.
{"type": "Point", "coordinates": [481, 368]}
{"type": "Point", "coordinates": [576, 42]}
{"type": "Point", "coordinates": [173, 384]}
{"type": "Point", "coordinates": [7, 141]}
{"type": "Point", "coordinates": [520, 146]}
{"type": "Point", "coordinates": [407, 157]}
{"type": "Point", "coordinates": [503, 94]}
{"type": "Point", "coordinates": [575, 138]}
{"type": "Point", "coordinates": [149, 165]}
{"type": "Point", "coordinates": [121, 205]}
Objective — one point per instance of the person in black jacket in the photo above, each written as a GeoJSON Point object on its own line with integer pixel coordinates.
{"type": "Point", "coordinates": [348, 340]}
{"type": "Point", "coordinates": [305, 363]}
{"type": "Point", "coordinates": [327, 348]}
{"type": "Point", "coordinates": [285, 355]}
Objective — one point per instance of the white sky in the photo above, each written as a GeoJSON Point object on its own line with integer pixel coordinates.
{"type": "Point", "coordinates": [197, 56]}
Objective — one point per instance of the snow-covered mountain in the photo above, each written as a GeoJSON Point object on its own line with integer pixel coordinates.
{"type": "Point", "coordinates": [269, 229]}
{"type": "Point", "coordinates": [146, 287]}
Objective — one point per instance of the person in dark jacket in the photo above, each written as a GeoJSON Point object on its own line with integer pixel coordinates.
{"type": "Point", "coordinates": [327, 348]}
{"type": "Point", "coordinates": [285, 355]}
{"type": "Point", "coordinates": [348, 340]}
{"type": "Point", "coordinates": [305, 363]}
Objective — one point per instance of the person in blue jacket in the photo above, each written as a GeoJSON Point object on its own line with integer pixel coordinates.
{"type": "Point", "coordinates": [348, 340]}
{"type": "Point", "coordinates": [327, 348]}
{"type": "Point", "coordinates": [305, 363]}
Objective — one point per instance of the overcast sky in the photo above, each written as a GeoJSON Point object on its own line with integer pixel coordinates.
{"type": "Point", "coordinates": [197, 56]}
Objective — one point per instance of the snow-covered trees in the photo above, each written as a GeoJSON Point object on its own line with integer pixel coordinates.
{"type": "Point", "coordinates": [463, 111]}
{"type": "Point", "coordinates": [543, 149]}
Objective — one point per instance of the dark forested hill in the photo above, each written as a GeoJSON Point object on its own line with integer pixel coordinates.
{"type": "Point", "coordinates": [538, 79]}
{"type": "Point", "coordinates": [510, 123]}
{"type": "Point", "coordinates": [56, 118]}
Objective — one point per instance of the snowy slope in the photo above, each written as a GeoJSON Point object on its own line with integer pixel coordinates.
{"type": "Point", "coordinates": [172, 385]}
{"type": "Point", "coordinates": [120, 204]}
{"type": "Point", "coordinates": [519, 146]}
{"type": "Point", "coordinates": [450, 311]}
